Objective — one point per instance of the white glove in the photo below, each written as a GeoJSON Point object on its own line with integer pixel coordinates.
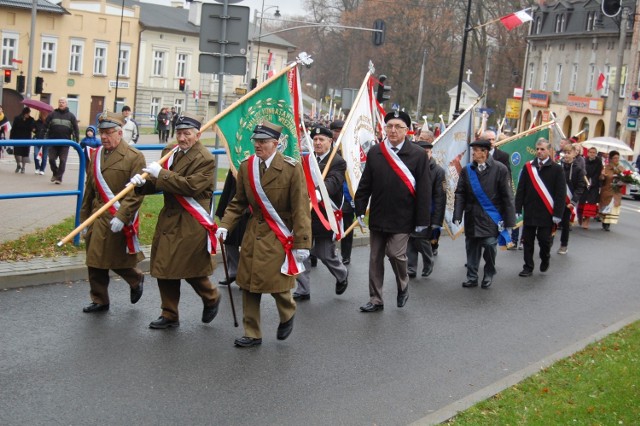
{"type": "Point", "coordinates": [557, 220]}
{"type": "Point", "coordinates": [301, 254]}
{"type": "Point", "coordinates": [83, 233]}
{"type": "Point", "coordinates": [221, 233]}
{"type": "Point", "coordinates": [138, 180]}
{"type": "Point", "coordinates": [420, 228]}
{"type": "Point", "coordinates": [116, 225]}
{"type": "Point", "coordinates": [456, 222]}
{"type": "Point", "coordinates": [361, 221]}
{"type": "Point", "coordinates": [153, 169]}
{"type": "Point", "coordinates": [509, 230]}
{"type": "Point", "coordinates": [318, 195]}
{"type": "Point", "coordinates": [353, 204]}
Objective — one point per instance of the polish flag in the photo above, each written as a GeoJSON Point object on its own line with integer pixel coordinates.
{"type": "Point", "coordinates": [514, 20]}
{"type": "Point", "coordinates": [601, 80]}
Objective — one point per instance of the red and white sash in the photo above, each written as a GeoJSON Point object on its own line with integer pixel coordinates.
{"type": "Point", "coordinates": [130, 229]}
{"type": "Point", "coordinates": [399, 168]}
{"type": "Point", "coordinates": [197, 211]}
{"type": "Point", "coordinates": [290, 266]}
{"type": "Point", "coordinates": [568, 201]}
{"type": "Point", "coordinates": [314, 180]}
{"type": "Point", "coordinates": [540, 187]}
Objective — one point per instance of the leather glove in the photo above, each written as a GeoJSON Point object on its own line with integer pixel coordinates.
{"type": "Point", "coordinates": [361, 221]}
{"type": "Point", "coordinates": [138, 180]}
{"type": "Point", "coordinates": [301, 254]}
{"type": "Point", "coordinates": [153, 169]}
{"type": "Point", "coordinates": [116, 225]}
{"type": "Point", "coordinates": [221, 233]}
{"type": "Point", "coordinates": [318, 195]}
{"type": "Point", "coordinates": [557, 220]}
{"type": "Point", "coordinates": [456, 222]}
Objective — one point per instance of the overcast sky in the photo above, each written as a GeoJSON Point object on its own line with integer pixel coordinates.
{"type": "Point", "coordinates": [287, 7]}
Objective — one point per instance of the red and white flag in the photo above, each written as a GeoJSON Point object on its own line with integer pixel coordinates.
{"type": "Point", "coordinates": [601, 80]}
{"type": "Point", "coordinates": [516, 19]}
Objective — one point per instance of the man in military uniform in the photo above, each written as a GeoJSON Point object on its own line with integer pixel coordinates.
{"type": "Point", "coordinates": [278, 235]}
{"type": "Point", "coordinates": [111, 240]}
{"type": "Point", "coordinates": [324, 248]}
{"type": "Point", "coordinates": [396, 179]}
{"type": "Point", "coordinates": [185, 232]}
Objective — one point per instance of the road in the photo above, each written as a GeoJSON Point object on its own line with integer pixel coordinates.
{"type": "Point", "coordinates": [340, 366]}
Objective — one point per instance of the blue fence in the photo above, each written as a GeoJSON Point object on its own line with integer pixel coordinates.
{"type": "Point", "coordinates": [78, 193]}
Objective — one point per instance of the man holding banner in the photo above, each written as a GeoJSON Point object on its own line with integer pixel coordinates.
{"type": "Point", "coordinates": [397, 182]}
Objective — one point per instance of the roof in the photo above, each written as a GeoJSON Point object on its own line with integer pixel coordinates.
{"type": "Point", "coordinates": [469, 84]}
{"type": "Point", "coordinates": [43, 6]}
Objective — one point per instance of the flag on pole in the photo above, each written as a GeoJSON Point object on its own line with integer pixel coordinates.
{"type": "Point", "coordinates": [276, 101]}
{"type": "Point", "coordinates": [601, 80]}
{"type": "Point", "coordinates": [516, 19]}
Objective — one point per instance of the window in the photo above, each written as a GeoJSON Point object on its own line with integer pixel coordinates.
{"type": "Point", "coordinates": [545, 73]}
{"type": "Point", "coordinates": [591, 79]}
{"type": "Point", "coordinates": [124, 60]}
{"type": "Point", "coordinates": [214, 77]}
{"type": "Point", "coordinates": [9, 49]}
{"type": "Point", "coordinates": [48, 54]}
{"type": "Point", "coordinates": [532, 76]}
{"type": "Point", "coordinates": [179, 105]}
{"type": "Point", "coordinates": [265, 71]}
{"type": "Point", "coordinates": [72, 104]}
{"type": "Point", "coordinates": [75, 56]}
{"type": "Point", "coordinates": [591, 21]}
{"type": "Point", "coordinates": [158, 63]}
{"type": "Point", "coordinates": [556, 88]}
{"type": "Point", "coordinates": [155, 107]}
{"type": "Point", "coordinates": [100, 59]}
{"type": "Point", "coordinates": [181, 65]}
{"type": "Point", "coordinates": [538, 24]}
{"type": "Point", "coordinates": [608, 71]}
{"type": "Point", "coordinates": [574, 78]}
{"type": "Point", "coordinates": [560, 23]}
{"type": "Point", "coordinates": [623, 81]}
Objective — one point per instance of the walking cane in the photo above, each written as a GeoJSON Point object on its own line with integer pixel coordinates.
{"type": "Point", "coordinates": [226, 275]}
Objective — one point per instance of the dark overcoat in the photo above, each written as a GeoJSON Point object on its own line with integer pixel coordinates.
{"type": "Point", "coordinates": [393, 209]}
{"type": "Point", "coordinates": [179, 248]}
{"type": "Point", "coordinates": [105, 249]}
{"type": "Point", "coordinates": [496, 184]}
{"type": "Point", "coordinates": [438, 194]}
{"type": "Point", "coordinates": [333, 181]}
{"type": "Point", "coordinates": [593, 170]}
{"type": "Point", "coordinates": [528, 200]}
{"type": "Point", "coordinates": [262, 253]}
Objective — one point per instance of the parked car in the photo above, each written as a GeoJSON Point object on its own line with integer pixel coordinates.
{"type": "Point", "coordinates": [633, 191]}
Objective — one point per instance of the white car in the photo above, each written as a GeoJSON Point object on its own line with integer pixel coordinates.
{"type": "Point", "coordinates": [633, 191]}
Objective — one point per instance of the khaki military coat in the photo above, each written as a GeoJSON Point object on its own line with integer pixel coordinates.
{"type": "Point", "coordinates": [179, 248]}
{"type": "Point", "coordinates": [105, 249]}
{"type": "Point", "coordinates": [262, 253]}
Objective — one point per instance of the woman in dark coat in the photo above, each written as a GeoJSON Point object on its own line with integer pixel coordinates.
{"type": "Point", "coordinates": [588, 206]}
{"type": "Point", "coordinates": [23, 128]}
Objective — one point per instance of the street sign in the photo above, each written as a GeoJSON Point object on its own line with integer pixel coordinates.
{"type": "Point", "coordinates": [237, 36]}
{"type": "Point", "coordinates": [632, 124]}
{"type": "Point", "coordinates": [513, 108]}
{"type": "Point", "coordinates": [210, 64]}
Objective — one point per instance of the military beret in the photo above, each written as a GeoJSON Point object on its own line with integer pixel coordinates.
{"type": "Point", "coordinates": [267, 130]}
{"type": "Point", "coordinates": [322, 131]}
{"type": "Point", "coordinates": [425, 144]}
{"type": "Point", "coordinates": [481, 143]}
{"type": "Point", "coordinates": [336, 125]}
{"type": "Point", "coordinates": [107, 120]}
{"type": "Point", "coordinates": [188, 121]}
{"type": "Point", "coordinates": [400, 115]}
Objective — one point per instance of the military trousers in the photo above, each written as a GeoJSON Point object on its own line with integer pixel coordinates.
{"type": "Point", "coordinates": [251, 310]}
{"type": "Point", "coordinates": [99, 282]}
{"type": "Point", "coordinates": [394, 246]}
{"type": "Point", "coordinates": [324, 248]}
{"type": "Point", "coordinates": [170, 294]}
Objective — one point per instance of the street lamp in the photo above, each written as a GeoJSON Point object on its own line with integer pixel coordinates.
{"type": "Point", "coordinates": [277, 14]}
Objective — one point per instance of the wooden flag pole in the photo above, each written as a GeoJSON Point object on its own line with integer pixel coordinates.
{"type": "Point", "coordinates": [521, 134]}
{"type": "Point", "coordinates": [111, 202]}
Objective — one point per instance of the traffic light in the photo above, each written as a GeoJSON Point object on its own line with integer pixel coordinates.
{"type": "Point", "coordinates": [378, 36]}
{"type": "Point", "coordinates": [611, 8]}
{"type": "Point", "coordinates": [383, 90]}
{"type": "Point", "coordinates": [39, 84]}
{"type": "Point", "coordinates": [20, 83]}
{"type": "Point", "coordinates": [181, 84]}
{"type": "Point", "coordinates": [7, 76]}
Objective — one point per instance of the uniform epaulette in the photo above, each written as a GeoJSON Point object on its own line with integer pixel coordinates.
{"type": "Point", "coordinates": [290, 160]}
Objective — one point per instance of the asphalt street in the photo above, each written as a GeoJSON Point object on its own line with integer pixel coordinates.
{"type": "Point", "coordinates": [339, 367]}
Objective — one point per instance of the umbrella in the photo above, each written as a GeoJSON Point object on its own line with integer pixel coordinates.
{"type": "Point", "coordinates": [39, 105]}
{"type": "Point", "coordinates": [607, 143]}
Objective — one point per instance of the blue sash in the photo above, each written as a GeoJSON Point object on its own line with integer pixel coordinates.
{"type": "Point", "coordinates": [504, 236]}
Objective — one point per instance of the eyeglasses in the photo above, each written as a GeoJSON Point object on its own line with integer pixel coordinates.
{"type": "Point", "coordinates": [395, 127]}
{"type": "Point", "coordinates": [106, 133]}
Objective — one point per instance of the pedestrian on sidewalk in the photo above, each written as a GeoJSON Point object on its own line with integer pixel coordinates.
{"type": "Point", "coordinates": [41, 152]}
{"type": "Point", "coordinates": [60, 124]}
{"type": "Point", "coordinates": [588, 207]}
{"type": "Point", "coordinates": [112, 240]}
{"type": "Point", "coordinates": [184, 237]}
{"type": "Point", "coordinates": [574, 177]}
{"type": "Point", "coordinates": [130, 129]}
{"type": "Point", "coordinates": [23, 127]}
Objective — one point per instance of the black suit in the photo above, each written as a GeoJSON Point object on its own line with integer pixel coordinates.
{"type": "Point", "coordinates": [503, 158]}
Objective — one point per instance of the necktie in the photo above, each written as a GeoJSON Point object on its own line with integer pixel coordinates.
{"type": "Point", "coordinates": [176, 157]}
{"type": "Point", "coordinates": [481, 167]}
{"type": "Point", "coordinates": [263, 167]}
{"type": "Point", "coordinates": [394, 149]}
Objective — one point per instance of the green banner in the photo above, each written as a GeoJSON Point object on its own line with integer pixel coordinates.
{"type": "Point", "coordinates": [273, 103]}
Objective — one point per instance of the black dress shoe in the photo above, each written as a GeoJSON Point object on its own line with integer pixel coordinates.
{"type": "Point", "coordinates": [162, 323]}
{"type": "Point", "coordinates": [247, 342]}
{"type": "Point", "coordinates": [314, 261]}
{"type": "Point", "coordinates": [486, 282]}
{"type": "Point", "coordinates": [403, 296]}
{"type": "Point", "coordinates": [341, 286]}
{"type": "Point", "coordinates": [346, 261]}
{"type": "Point", "coordinates": [470, 283]}
{"type": "Point", "coordinates": [371, 307]}
{"type": "Point", "coordinates": [544, 265]}
{"type": "Point", "coordinates": [210, 312]}
{"type": "Point", "coordinates": [285, 329]}
{"type": "Point", "coordinates": [411, 274]}
{"type": "Point", "coordinates": [95, 307]}
{"type": "Point", "coordinates": [298, 296]}
{"type": "Point", "coordinates": [427, 272]}
{"type": "Point", "coordinates": [525, 273]}
{"type": "Point", "coordinates": [136, 293]}
{"type": "Point", "coordinates": [227, 282]}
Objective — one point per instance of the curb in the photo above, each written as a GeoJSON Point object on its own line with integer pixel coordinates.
{"type": "Point", "coordinates": [63, 269]}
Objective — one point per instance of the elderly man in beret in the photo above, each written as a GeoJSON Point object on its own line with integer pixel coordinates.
{"type": "Point", "coordinates": [324, 247]}
{"type": "Point", "coordinates": [278, 235]}
{"type": "Point", "coordinates": [396, 179]}
{"type": "Point", "coordinates": [485, 198]}
{"type": "Point", "coordinates": [185, 233]}
{"type": "Point", "coordinates": [111, 240]}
